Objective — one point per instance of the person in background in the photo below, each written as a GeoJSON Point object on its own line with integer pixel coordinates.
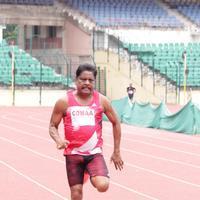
{"type": "Point", "coordinates": [81, 111]}
{"type": "Point", "coordinates": [130, 90]}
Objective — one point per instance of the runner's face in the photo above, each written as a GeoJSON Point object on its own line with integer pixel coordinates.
{"type": "Point", "coordinates": [85, 83]}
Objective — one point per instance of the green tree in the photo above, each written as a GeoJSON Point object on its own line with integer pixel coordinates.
{"type": "Point", "coordinates": [11, 32]}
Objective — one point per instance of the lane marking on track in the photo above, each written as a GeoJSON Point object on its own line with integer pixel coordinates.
{"type": "Point", "coordinates": [32, 180]}
{"type": "Point", "coordinates": [156, 157]}
{"type": "Point", "coordinates": [133, 140]}
{"type": "Point", "coordinates": [31, 150]}
{"type": "Point", "coordinates": [127, 132]}
{"type": "Point", "coordinates": [62, 162]}
{"type": "Point", "coordinates": [134, 191]}
{"type": "Point", "coordinates": [25, 132]}
{"type": "Point", "coordinates": [22, 122]}
{"type": "Point", "coordinates": [164, 175]}
{"type": "Point", "coordinates": [110, 146]}
{"type": "Point", "coordinates": [162, 147]}
{"type": "Point", "coordinates": [162, 139]}
{"type": "Point", "coordinates": [128, 164]}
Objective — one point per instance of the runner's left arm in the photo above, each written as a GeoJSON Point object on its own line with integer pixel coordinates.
{"type": "Point", "coordinates": [112, 116]}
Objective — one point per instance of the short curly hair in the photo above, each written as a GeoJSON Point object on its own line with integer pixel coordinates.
{"type": "Point", "coordinates": [86, 67]}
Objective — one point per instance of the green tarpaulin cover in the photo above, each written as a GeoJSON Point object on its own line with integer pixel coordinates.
{"type": "Point", "coordinates": [186, 120]}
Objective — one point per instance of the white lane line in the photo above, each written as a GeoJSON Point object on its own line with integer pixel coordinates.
{"type": "Point", "coordinates": [134, 191]}
{"type": "Point", "coordinates": [156, 157]}
{"type": "Point", "coordinates": [127, 132]}
{"type": "Point", "coordinates": [111, 146]}
{"type": "Point", "coordinates": [29, 149]}
{"type": "Point", "coordinates": [165, 176]}
{"type": "Point", "coordinates": [25, 132]}
{"type": "Point", "coordinates": [161, 139]}
{"type": "Point", "coordinates": [62, 162]}
{"type": "Point", "coordinates": [22, 122]}
{"type": "Point", "coordinates": [32, 180]}
{"type": "Point", "coordinates": [161, 147]}
{"type": "Point", "coordinates": [128, 164]}
{"type": "Point", "coordinates": [160, 174]}
{"type": "Point", "coordinates": [133, 140]}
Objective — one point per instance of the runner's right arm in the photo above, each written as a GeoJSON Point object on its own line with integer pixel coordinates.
{"type": "Point", "coordinates": [56, 117]}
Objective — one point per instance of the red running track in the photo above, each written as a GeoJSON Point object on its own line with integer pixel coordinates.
{"type": "Point", "coordinates": [158, 164]}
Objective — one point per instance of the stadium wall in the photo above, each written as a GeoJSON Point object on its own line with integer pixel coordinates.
{"type": "Point", "coordinates": [117, 79]}
{"type": "Point", "coordinates": [76, 41]}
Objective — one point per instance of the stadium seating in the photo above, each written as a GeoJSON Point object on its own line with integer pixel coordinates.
{"type": "Point", "coordinates": [167, 59]}
{"type": "Point", "coordinates": [138, 13]}
{"type": "Point", "coordinates": [28, 70]}
{"type": "Point", "coordinates": [188, 8]}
